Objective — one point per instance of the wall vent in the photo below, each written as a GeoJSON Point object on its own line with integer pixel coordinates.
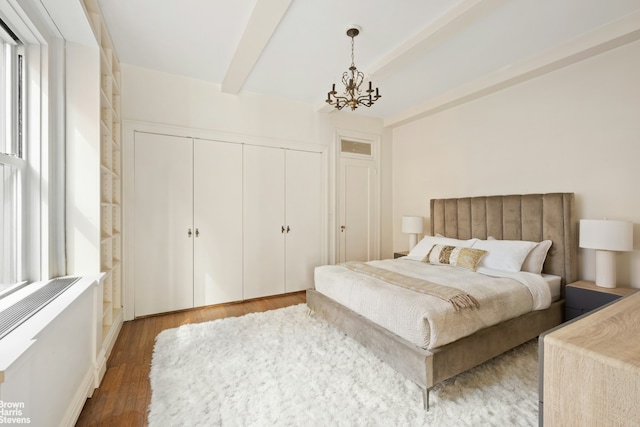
{"type": "Point", "coordinates": [355, 147]}
{"type": "Point", "coordinates": [18, 313]}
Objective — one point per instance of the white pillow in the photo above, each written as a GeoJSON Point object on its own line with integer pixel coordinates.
{"type": "Point", "coordinates": [424, 246]}
{"type": "Point", "coordinates": [506, 255]}
{"type": "Point", "coordinates": [534, 262]}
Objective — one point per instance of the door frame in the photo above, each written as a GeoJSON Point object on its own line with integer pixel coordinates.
{"type": "Point", "coordinates": [374, 140]}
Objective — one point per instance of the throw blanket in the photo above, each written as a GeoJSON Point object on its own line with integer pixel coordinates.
{"type": "Point", "coordinates": [454, 296]}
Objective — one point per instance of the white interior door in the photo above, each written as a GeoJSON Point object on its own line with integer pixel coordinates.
{"type": "Point", "coordinates": [357, 195]}
{"type": "Point", "coordinates": [264, 221]}
{"type": "Point", "coordinates": [218, 222]}
{"type": "Point", "coordinates": [163, 218]}
{"type": "Point", "coordinates": [303, 218]}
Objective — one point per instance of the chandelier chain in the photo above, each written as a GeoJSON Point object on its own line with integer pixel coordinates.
{"type": "Point", "coordinates": [353, 61]}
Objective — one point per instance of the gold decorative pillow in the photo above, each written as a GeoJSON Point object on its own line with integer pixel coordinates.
{"type": "Point", "coordinates": [467, 258]}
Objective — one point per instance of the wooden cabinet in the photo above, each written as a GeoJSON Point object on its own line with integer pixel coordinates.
{"type": "Point", "coordinates": [282, 220]}
{"type": "Point", "coordinates": [163, 223]}
{"type": "Point", "coordinates": [590, 370]}
{"type": "Point", "coordinates": [217, 190]}
{"type": "Point", "coordinates": [303, 217]}
{"type": "Point", "coordinates": [583, 296]}
{"type": "Point", "coordinates": [264, 221]}
{"type": "Point", "coordinates": [217, 221]}
{"type": "Point", "coordinates": [187, 223]}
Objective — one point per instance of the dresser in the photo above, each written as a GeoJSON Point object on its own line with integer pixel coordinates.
{"type": "Point", "coordinates": [590, 368]}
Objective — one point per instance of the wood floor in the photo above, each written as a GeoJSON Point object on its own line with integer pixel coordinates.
{"type": "Point", "coordinates": [125, 393]}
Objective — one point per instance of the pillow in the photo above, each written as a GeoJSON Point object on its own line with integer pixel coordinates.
{"type": "Point", "coordinates": [506, 255]}
{"type": "Point", "coordinates": [534, 262]}
{"type": "Point", "coordinates": [424, 246]}
{"type": "Point", "coordinates": [467, 258]}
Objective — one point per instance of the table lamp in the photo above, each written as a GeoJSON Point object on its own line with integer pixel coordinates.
{"type": "Point", "coordinates": [606, 236]}
{"type": "Point", "coordinates": [413, 225]}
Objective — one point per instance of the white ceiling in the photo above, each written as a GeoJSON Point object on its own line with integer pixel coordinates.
{"type": "Point", "coordinates": [421, 54]}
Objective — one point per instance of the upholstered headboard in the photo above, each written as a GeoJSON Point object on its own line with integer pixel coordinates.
{"type": "Point", "coordinates": [533, 217]}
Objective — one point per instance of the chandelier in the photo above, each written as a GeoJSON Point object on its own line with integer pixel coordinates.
{"type": "Point", "coordinates": [352, 81]}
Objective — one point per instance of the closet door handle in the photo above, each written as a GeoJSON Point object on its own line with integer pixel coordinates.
{"type": "Point", "coordinates": [189, 233]}
{"type": "Point", "coordinates": [282, 230]}
{"type": "Point", "coordinates": [288, 229]}
{"type": "Point", "coordinates": [197, 233]}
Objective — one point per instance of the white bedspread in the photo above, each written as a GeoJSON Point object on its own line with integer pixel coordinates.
{"type": "Point", "coordinates": [427, 321]}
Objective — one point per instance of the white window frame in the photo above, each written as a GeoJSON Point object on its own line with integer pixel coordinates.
{"type": "Point", "coordinates": [14, 165]}
{"type": "Point", "coordinates": [42, 218]}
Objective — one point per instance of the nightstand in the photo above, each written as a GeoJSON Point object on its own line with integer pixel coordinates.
{"type": "Point", "coordinates": [582, 297]}
{"type": "Point", "coordinates": [400, 254]}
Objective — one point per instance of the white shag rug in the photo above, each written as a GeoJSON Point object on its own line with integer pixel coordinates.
{"type": "Point", "coordinates": [285, 368]}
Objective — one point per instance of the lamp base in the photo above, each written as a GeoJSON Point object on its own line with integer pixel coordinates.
{"type": "Point", "coordinates": [413, 241]}
{"type": "Point", "coordinates": [605, 269]}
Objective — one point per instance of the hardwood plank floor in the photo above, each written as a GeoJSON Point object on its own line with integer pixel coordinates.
{"type": "Point", "coordinates": [125, 393]}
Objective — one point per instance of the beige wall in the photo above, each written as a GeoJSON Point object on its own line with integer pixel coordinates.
{"type": "Point", "coordinates": [573, 130]}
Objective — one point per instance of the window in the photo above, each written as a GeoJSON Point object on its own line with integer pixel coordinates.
{"type": "Point", "coordinates": [12, 158]}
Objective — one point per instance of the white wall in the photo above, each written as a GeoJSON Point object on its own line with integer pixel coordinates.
{"type": "Point", "coordinates": [574, 130]}
{"type": "Point", "coordinates": [82, 158]}
{"type": "Point", "coordinates": [162, 98]}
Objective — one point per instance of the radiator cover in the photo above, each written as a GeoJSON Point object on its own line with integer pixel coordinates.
{"type": "Point", "coordinates": [18, 313]}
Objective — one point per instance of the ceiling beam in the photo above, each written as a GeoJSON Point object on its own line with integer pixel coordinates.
{"type": "Point", "coordinates": [604, 38]}
{"type": "Point", "coordinates": [443, 28]}
{"type": "Point", "coordinates": [263, 22]}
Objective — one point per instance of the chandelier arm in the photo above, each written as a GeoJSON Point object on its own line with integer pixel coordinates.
{"type": "Point", "coordinates": [343, 98]}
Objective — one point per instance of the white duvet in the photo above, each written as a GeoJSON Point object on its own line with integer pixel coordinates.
{"type": "Point", "coordinates": [428, 321]}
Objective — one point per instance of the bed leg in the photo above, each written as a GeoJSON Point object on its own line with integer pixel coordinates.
{"type": "Point", "coordinates": [425, 399]}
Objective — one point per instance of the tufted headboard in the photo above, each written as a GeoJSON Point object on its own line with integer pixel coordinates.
{"type": "Point", "coordinates": [533, 217]}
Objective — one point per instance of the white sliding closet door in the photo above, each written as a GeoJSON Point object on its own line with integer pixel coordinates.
{"type": "Point", "coordinates": [303, 217]}
{"type": "Point", "coordinates": [163, 245]}
{"type": "Point", "coordinates": [264, 226]}
{"type": "Point", "coordinates": [218, 222]}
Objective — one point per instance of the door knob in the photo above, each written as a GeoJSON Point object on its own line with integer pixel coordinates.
{"type": "Point", "coordinates": [189, 233]}
{"type": "Point", "coordinates": [342, 228]}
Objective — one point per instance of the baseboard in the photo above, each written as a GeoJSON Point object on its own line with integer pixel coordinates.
{"type": "Point", "coordinates": [79, 398]}
{"type": "Point", "coordinates": [107, 346]}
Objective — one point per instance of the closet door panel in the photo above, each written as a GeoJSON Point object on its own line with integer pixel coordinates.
{"type": "Point", "coordinates": [303, 217]}
{"type": "Point", "coordinates": [263, 214]}
{"type": "Point", "coordinates": [218, 221]}
{"type": "Point", "coordinates": [163, 249]}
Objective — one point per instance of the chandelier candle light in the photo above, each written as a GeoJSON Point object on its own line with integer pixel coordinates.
{"type": "Point", "coordinates": [352, 81]}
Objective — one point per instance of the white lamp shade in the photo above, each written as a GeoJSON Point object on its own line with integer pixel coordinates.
{"type": "Point", "coordinates": [606, 235]}
{"type": "Point", "coordinates": [412, 224]}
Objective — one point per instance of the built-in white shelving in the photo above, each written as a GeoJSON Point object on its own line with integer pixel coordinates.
{"type": "Point", "coordinates": [110, 177]}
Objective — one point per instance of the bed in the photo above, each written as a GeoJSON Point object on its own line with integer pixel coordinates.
{"type": "Point", "coordinates": [531, 217]}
